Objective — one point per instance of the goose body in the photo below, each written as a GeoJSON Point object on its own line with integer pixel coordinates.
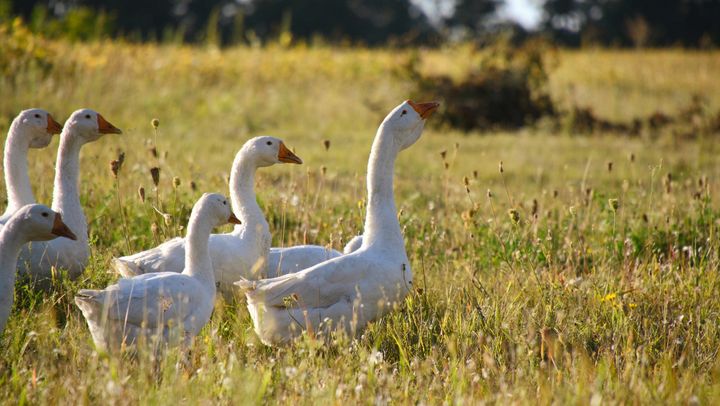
{"type": "Point", "coordinates": [38, 259]}
{"type": "Point", "coordinates": [33, 222]}
{"type": "Point", "coordinates": [168, 307]}
{"type": "Point", "coordinates": [243, 252]}
{"type": "Point", "coordinates": [352, 290]}
{"type": "Point", "coordinates": [32, 128]}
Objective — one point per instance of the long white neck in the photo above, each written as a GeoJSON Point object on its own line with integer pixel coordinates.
{"type": "Point", "coordinates": [197, 254]}
{"type": "Point", "coordinates": [66, 194]}
{"type": "Point", "coordinates": [11, 241]}
{"type": "Point", "coordinates": [242, 194]}
{"type": "Point", "coordinates": [15, 163]}
{"type": "Point", "coordinates": [381, 223]}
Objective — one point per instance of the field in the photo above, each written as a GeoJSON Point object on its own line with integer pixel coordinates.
{"type": "Point", "coordinates": [584, 271]}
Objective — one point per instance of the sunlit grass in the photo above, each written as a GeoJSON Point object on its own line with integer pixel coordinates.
{"type": "Point", "coordinates": [602, 286]}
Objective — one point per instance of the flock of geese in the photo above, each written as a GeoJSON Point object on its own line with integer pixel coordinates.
{"type": "Point", "coordinates": [166, 294]}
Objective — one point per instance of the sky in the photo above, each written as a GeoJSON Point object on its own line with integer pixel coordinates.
{"type": "Point", "coordinates": [525, 12]}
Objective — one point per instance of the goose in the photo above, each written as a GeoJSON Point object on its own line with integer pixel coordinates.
{"type": "Point", "coordinates": [32, 222]}
{"type": "Point", "coordinates": [349, 291]}
{"type": "Point", "coordinates": [244, 251]}
{"type": "Point", "coordinates": [38, 259]}
{"type": "Point", "coordinates": [32, 128]}
{"type": "Point", "coordinates": [149, 305]}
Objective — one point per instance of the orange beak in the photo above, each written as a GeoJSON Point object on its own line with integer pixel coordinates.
{"type": "Point", "coordinates": [287, 156]}
{"type": "Point", "coordinates": [61, 229]}
{"type": "Point", "coordinates": [424, 109]}
{"type": "Point", "coordinates": [233, 220]}
{"type": "Point", "coordinates": [104, 127]}
{"type": "Point", "coordinates": [53, 127]}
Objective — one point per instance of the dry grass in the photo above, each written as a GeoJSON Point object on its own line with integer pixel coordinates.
{"type": "Point", "coordinates": [578, 303]}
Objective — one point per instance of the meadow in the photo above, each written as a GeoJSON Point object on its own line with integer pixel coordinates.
{"type": "Point", "coordinates": [550, 267]}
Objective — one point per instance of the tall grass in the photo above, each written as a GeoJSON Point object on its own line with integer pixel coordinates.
{"type": "Point", "coordinates": [563, 279]}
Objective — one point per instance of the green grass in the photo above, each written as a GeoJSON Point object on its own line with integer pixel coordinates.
{"type": "Point", "coordinates": [578, 303]}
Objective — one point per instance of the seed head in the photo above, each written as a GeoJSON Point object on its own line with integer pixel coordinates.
{"type": "Point", "coordinates": [176, 182]}
{"type": "Point", "coordinates": [155, 123]}
{"type": "Point", "coordinates": [614, 204]}
{"type": "Point", "coordinates": [443, 154]}
{"type": "Point", "coordinates": [609, 166]}
{"type": "Point", "coordinates": [323, 169]}
{"type": "Point", "coordinates": [115, 167]}
{"type": "Point", "coordinates": [153, 152]}
{"type": "Point", "coordinates": [475, 174]}
{"type": "Point", "coordinates": [141, 194]}
{"type": "Point", "coordinates": [534, 207]}
{"type": "Point", "coordinates": [155, 173]}
{"type": "Point", "coordinates": [514, 216]}
{"type": "Point", "coordinates": [489, 194]}
{"type": "Point", "coordinates": [193, 186]}
{"type": "Point", "coordinates": [500, 166]}
{"type": "Point", "coordinates": [632, 157]}
{"type": "Point", "coordinates": [327, 144]}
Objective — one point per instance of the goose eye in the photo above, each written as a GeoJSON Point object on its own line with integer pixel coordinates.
{"type": "Point", "coordinates": [269, 142]}
{"type": "Point", "coordinates": [37, 115]}
{"type": "Point", "coordinates": [403, 113]}
{"type": "Point", "coordinates": [45, 214]}
{"type": "Point", "coordinates": [87, 116]}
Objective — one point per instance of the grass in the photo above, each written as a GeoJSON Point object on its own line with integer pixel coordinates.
{"type": "Point", "coordinates": [543, 293]}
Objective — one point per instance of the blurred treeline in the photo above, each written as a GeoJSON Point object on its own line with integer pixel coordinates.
{"type": "Point", "coordinates": [688, 23]}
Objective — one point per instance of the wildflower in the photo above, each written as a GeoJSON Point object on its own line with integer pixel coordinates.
{"type": "Point", "coordinates": [155, 173]}
{"type": "Point", "coordinates": [609, 297]}
{"type": "Point", "coordinates": [141, 194]}
{"type": "Point", "coordinates": [155, 123]}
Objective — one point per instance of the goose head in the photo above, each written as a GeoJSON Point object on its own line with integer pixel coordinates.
{"type": "Point", "coordinates": [38, 222]}
{"type": "Point", "coordinates": [269, 150]}
{"type": "Point", "coordinates": [406, 121]}
{"type": "Point", "coordinates": [88, 125]}
{"type": "Point", "coordinates": [216, 208]}
{"type": "Point", "coordinates": [39, 126]}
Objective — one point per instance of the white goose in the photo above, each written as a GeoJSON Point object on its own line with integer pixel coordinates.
{"type": "Point", "coordinates": [33, 222]}
{"type": "Point", "coordinates": [150, 305]}
{"type": "Point", "coordinates": [239, 254]}
{"type": "Point", "coordinates": [38, 259]}
{"type": "Point", "coordinates": [349, 291]}
{"type": "Point", "coordinates": [32, 128]}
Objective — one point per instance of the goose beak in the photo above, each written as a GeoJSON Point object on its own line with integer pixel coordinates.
{"type": "Point", "coordinates": [61, 229]}
{"type": "Point", "coordinates": [104, 127]}
{"type": "Point", "coordinates": [287, 156]}
{"type": "Point", "coordinates": [53, 127]}
{"type": "Point", "coordinates": [233, 220]}
{"type": "Point", "coordinates": [424, 109]}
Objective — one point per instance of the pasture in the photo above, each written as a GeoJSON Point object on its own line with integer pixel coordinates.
{"type": "Point", "coordinates": [586, 270]}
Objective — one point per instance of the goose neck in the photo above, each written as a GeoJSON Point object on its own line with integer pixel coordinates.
{"type": "Point", "coordinates": [381, 224]}
{"type": "Point", "coordinates": [197, 254]}
{"type": "Point", "coordinates": [242, 191]}
{"type": "Point", "coordinates": [66, 193]}
{"type": "Point", "coordinates": [15, 164]}
{"type": "Point", "coordinates": [10, 244]}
